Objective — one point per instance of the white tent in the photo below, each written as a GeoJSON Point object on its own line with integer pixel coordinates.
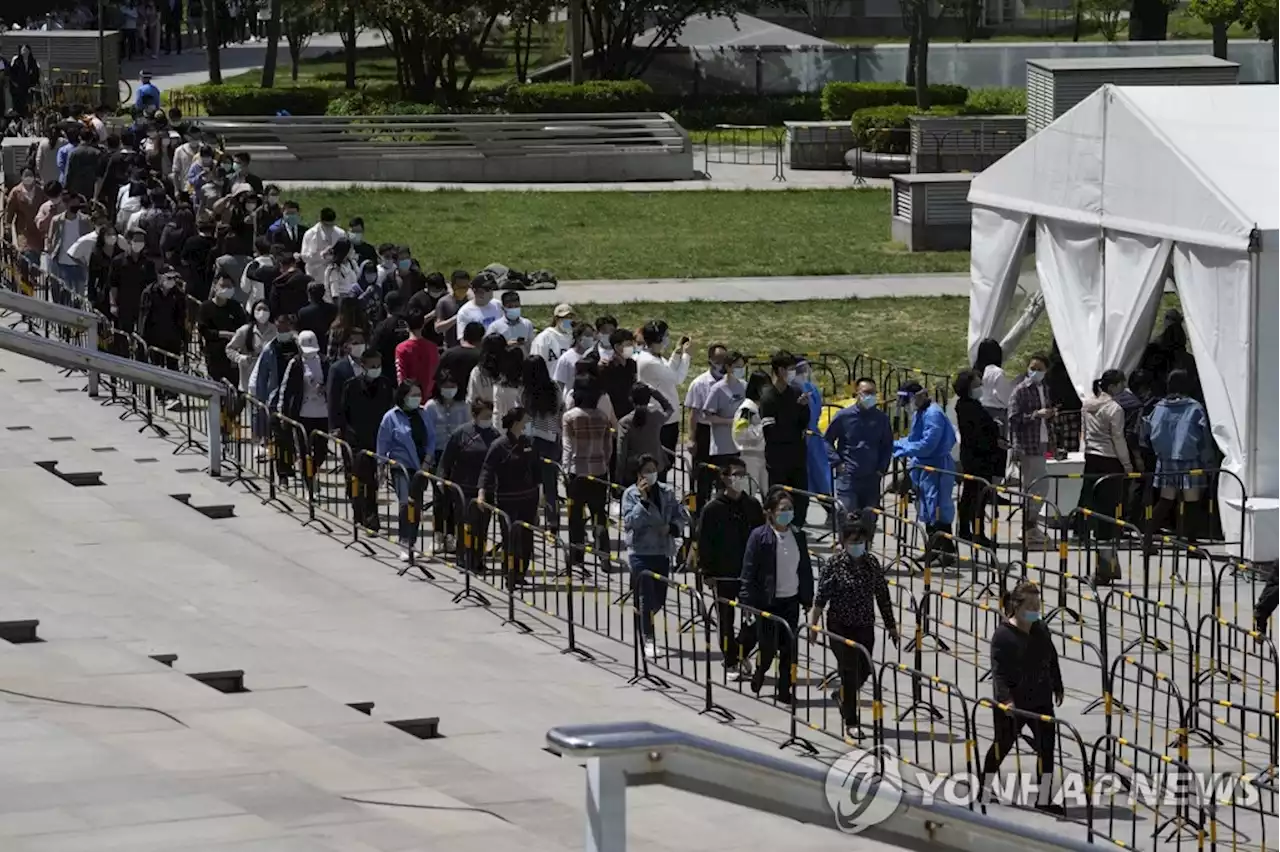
{"type": "Point", "coordinates": [1132, 185]}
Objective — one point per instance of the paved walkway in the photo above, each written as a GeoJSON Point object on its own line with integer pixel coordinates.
{"type": "Point", "coordinates": [775, 289]}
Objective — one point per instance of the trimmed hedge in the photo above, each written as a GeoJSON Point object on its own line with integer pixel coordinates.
{"type": "Point", "coordinates": [842, 100]}
{"type": "Point", "coordinates": [593, 96]}
{"type": "Point", "coordinates": [887, 129]}
{"type": "Point", "coordinates": [996, 101]}
{"type": "Point", "coordinates": [255, 100]}
{"type": "Point", "coordinates": [706, 111]}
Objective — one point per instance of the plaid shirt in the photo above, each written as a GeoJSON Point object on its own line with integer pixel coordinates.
{"type": "Point", "coordinates": [587, 442]}
{"type": "Point", "coordinates": [1025, 431]}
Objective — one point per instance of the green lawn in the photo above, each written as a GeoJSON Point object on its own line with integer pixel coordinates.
{"type": "Point", "coordinates": [376, 66]}
{"type": "Point", "coordinates": [1182, 25]}
{"type": "Point", "coordinates": [612, 235]}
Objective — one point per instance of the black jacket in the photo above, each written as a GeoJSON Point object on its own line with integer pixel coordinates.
{"type": "Point", "coordinates": [785, 436]}
{"type": "Point", "coordinates": [723, 530]}
{"type": "Point", "coordinates": [464, 455]}
{"type": "Point", "coordinates": [317, 317]}
{"type": "Point", "coordinates": [459, 361]}
{"type": "Point", "coordinates": [162, 317]}
{"type": "Point", "coordinates": [363, 403]}
{"type": "Point", "coordinates": [340, 372]}
{"type": "Point", "coordinates": [617, 378]}
{"type": "Point", "coordinates": [980, 453]}
{"type": "Point", "coordinates": [387, 335]}
{"type": "Point", "coordinates": [292, 387]}
{"type": "Point", "coordinates": [289, 293]}
{"type": "Point", "coordinates": [509, 471]}
{"type": "Point", "coordinates": [215, 318]}
{"type": "Point", "coordinates": [196, 259]}
{"type": "Point", "coordinates": [760, 569]}
{"type": "Point", "coordinates": [1024, 666]}
{"type": "Point", "coordinates": [130, 275]}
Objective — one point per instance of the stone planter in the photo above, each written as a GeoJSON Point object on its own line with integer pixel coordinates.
{"type": "Point", "coordinates": [871, 164]}
{"type": "Point", "coordinates": [817, 144]}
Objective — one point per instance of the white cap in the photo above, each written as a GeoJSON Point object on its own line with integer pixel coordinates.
{"type": "Point", "coordinates": [307, 343]}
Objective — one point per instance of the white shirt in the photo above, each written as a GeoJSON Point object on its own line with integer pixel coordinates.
{"type": "Point", "coordinates": [471, 312]}
{"type": "Point", "coordinates": [664, 376]}
{"type": "Point", "coordinates": [550, 344]}
{"type": "Point", "coordinates": [566, 367]}
{"type": "Point", "coordinates": [695, 398]}
{"type": "Point", "coordinates": [787, 576]}
{"type": "Point", "coordinates": [100, 128]}
{"type": "Point", "coordinates": [341, 280]}
{"type": "Point", "coordinates": [313, 401]}
{"type": "Point", "coordinates": [997, 388]}
{"type": "Point", "coordinates": [315, 242]}
{"type": "Point", "coordinates": [521, 328]}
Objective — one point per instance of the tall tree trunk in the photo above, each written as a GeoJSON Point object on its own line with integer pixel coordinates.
{"type": "Point", "coordinates": [1220, 40]}
{"type": "Point", "coordinates": [273, 47]}
{"type": "Point", "coordinates": [912, 46]}
{"type": "Point", "coordinates": [349, 42]}
{"type": "Point", "coordinates": [922, 57]}
{"type": "Point", "coordinates": [212, 41]}
{"type": "Point", "coordinates": [1077, 21]}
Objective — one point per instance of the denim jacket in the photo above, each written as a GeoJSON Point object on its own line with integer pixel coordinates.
{"type": "Point", "coordinates": [1179, 430]}
{"type": "Point", "coordinates": [395, 440]}
{"type": "Point", "coordinates": [647, 523]}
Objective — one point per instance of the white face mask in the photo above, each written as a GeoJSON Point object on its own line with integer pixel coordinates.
{"type": "Point", "coordinates": [28, 181]}
{"type": "Point", "coordinates": [373, 372]}
{"type": "Point", "coordinates": [738, 483]}
{"type": "Point", "coordinates": [512, 314]}
{"type": "Point", "coordinates": [357, 349]}
{"type": "Point", "coordinates": [262, 315]}
{"type": "Point", "coordinates": [791, 377]}
{"type": "Point", "coordinates": [167, 284]}
{"type": "Point", "coordinates": [627, 352]}
{"type": "Point", "coordinates": [224, 295]}
{"type": "Point", "coordinates": [411, 403]}
{"type": "Point", "coordinates": [137, 246]}
{"type": "Point", "coordinates": [650, 477]}
{"type": "Point", "coordinates": [448, 393]}
{"type": "Point", "coordinates": [486, 423]}
{"type": "Point", "coordinates": [739, 373]}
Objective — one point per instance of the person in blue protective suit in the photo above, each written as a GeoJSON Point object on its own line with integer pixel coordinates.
{"type": "Point", "coordinates": [815, 448]}
{"type": "Point", "coordinates": [861, 441]}
{"type": "Point", "coordinates": [929, 443]}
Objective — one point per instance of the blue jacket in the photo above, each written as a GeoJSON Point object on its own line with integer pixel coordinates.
{"type": "Point", "coordinates": [395, 439]}
{"type": "Point", "coordinates": [758, 582]}
{"type": "Point", "coordinates": [647, 523]}
{"type": "Point", "coordinates": [1178, 430]}
{"type": "Point", "coordinates": [147, 90]}
{"type": "Point", "coordinates": [930, 441]}
{"type": "Point", "coordinates": [862, 441]}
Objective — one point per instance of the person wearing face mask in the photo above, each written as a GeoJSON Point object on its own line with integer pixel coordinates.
{"type": "Point", "coordinates": [131, 273]}
{"type": "Point", "coordinates": [816, 458]}
{"type": "Point", "coordinates": [509, 480]}
{"type": "Point", "coordinates": [721, 408]}
{"type": "Point", "coordinates": [417, 358]}
{"type": "Point", "coordinates": [259, 272]}
{"type": "Point", "coordinates": [243, 174]}
{"type": "Point", "coordinates": [407, 437]}
{"type": "Point", "coordinates": [363, 401]}
{"type": "Point", "coordinates": [480, 308]}
{"type": "Point", "coordinates": [850, 587]}
{"type": "Point", "coordinates": [556, 339]}
{"type": "Point", "coordinates": [287, 231]}
{"type": "Point", "coordinates": [219, 318]}
{"type": "Point", "coordinates": [107, 245]}
{"type": "Point", "coordinates": [485, 376]}
{"type": "Point", "coordinates": [1106, 460]}
{"type": "Point", "coordinates": [584, 341]}
{"type": "Point", "coordinates": [162, 320]}
{"type": "Point", "coordinates": [183, 156]}
{"type": "Point", "coordinates": [264, 384]}
{"type": "Point", "coordinates": [318, 315]}
{"type": "Point", "coordinates": [617, 371]}
{"type": "Point", "coordinates": [695, 399]}
{"type": "Point", "coordinates": [361, 249]}
{"type": "Point", "coordinates": [860, 438]}
{"type": "Point", "coordinates": [640, 433]}
{"type": "Point", "coordinates": [653, 519]}
{"type": "Point", "coordinates": [349, 348]}
{"type": "Point", "coordinates": [748, 431]}
{"type": "Point", "coordinates": [341, 275]}
{"type": "Point", "coordinates": [605, 327]}
{"type": "Point", "coordinates": [449, 413]}
{"type": "Point", "coordinates": [777, 577]}
{"type": "Point", "coordinates": [1026, 675]}
{"type": "Point", "coordinates": [267, 213]}
{"type": "Point", "coordinates": [929, 444]}
{"type": "Point", "coordinates": [785, 413]}
{"type": "Point", "coordinates": [724, 527]}
{"type": "Point", "coordinates": [318, 242]}
{"type": "Point", "coordinates": [1031, 436]}
{"type": "Point", "coordinates": [203, 170]}
{"type": "Point", "coordinates": [446, 308]}
{"type": "Point", "coordinates": [243, 349]}
{"type": "Point", "coordinates": [83, 164]}
{"type": "Point", "coordinates": [461, 463]}
{"type": "Point", "coordinates": [302, 400]}
{"type": "Point", "coordinates": [288, 293]}
{"type": "Point", "coordinates": [371, 297]}
{"type": "Point", "coordinates": [664, 374]}
{"type": "Point", "coordinates": [64, 230]}
{"type": "Point", "coordinates": [982, 455]}
{"type": "Point", "coordinates": [514, 328]}
{"type": "Point", "coordinates": [20, 210]}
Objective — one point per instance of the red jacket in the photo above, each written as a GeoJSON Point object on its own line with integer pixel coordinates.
{"type": "Point", "coordinates": [417, 359]}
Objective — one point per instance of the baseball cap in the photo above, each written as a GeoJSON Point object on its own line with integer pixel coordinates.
{"type": "Point", "coordinates": [307, 343]}
{"type": "Point", "coordinates": [563, 311]}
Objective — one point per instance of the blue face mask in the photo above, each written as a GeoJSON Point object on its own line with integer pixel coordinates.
{"type": "Point", "coordinates": [868, 400]}
{"type": "Point", "coordinates": [1032, 617]}
{"type": "Point", "coordinates": [785, 517]}
{"type": "Point", "coordinates": [404, 266]}
{"type": "Point", "coordinates": [857, 549]}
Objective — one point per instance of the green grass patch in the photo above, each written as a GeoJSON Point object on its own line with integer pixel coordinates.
{"type": "Point", "coordinates": [1182, 25]}
{"type": "Point", "coordinates": [613, 235]}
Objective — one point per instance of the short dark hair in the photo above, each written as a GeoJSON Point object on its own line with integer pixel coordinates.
{"type": "Point", "coordinates": [581, 329]}
{"type": "Point", "coordinates": [435, 279]}
{"type": "Point", "coordinates": [586, 392]}
{"type": "Point", "coordinates": [87, 135]}
{"type": "Point", "coordinates": [602, 321]}
{"type": "Point", "coordinates": [711, 350]}
{"type": "Point", "coordinates": [460, 275]}
{"type": "Point", "coordinates": [52, 188]}
{"type": "Point", "coordinates": [473, 333]}
{"type": "Point", "coordinates": [512, 417]}
{"type": "Point", "coordinates": [964, 383]}
{"type": "Point", "coordinates": [356, 222]}
{"type": "Point", "coordinates": [647, 458]}
{"type": "Point", "coordinates": [621, 336]}
{"type": "Point", "coordinates": [865, 380]}
{"type": "Point", "coordinates": [371, 353]}
{"type": "Point", "coordinates": [415, 318]}
{"type": "Point", "coordinates": [386, 248]}
{"type": "Point", "coordinates": [393, 301]}
{"type": "Point", "coordinates": [775, 497]}
{"type": "Point", "coordinates": [1040, 356]}
{"type": "Point", "coordinates": [1179, 382]}
{"type": "Point", "coordinates": [206, 151]}
{"type": "Point", "coordinates": [734, 355]}
{"type": "Point", "coordinates": [328, 214]}
{"type": "Point", "coordinates": [292, 204]}
{"type": "Point", "coordinates": [510, 297]}
{"type": "Point", "coordinates": [733, 463]}
{"type": "Point", "coordinates": [654, 331]}
{"type": "Point", "coordinates": [243, 156]}
{"type": "Point", "coordinates": [781, 360]}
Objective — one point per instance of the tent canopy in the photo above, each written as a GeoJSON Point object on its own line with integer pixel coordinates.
{"type": "Point", "coordinates": [1196, 164]}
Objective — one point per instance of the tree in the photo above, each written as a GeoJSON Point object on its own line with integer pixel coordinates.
{"type": "Point", "coordinates": [438, 44]}
{"type": "Point", "coordinates": [213, 39]}
{"type": "Point", "coordinates": [273, 46]}
{"type": "Point", "coordinates": [1218, 14]}
{"type": "Point", "coordinates": [301, 19]}
{"type": "Point", "coordinates": [919, 17]}
{"type": "Point", "coordinates": [616, 27]}
{"type": "Point", "coordinates": [819, 13]}
{"type": "Point", "coordinates": [970, 14]}
{"type": "Point", "coordinates": [1106, 15]}
{"type": "Point", "coordinates": [525, 14]}
{"type": "Point", "coordinates": [1149, 20]}
{"type": "Point", "coordinates": [1260, 15]}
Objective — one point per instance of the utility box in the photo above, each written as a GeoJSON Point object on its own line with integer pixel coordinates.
{"type": "Point", "coordinates": [1056, 85]}
{"type": "Point", "coordinates": [931, 212]}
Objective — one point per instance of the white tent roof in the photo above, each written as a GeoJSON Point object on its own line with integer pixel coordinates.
{"type": "Point", "coordinates": [1190, 163]}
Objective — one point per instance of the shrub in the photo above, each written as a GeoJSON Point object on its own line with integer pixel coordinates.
{"type": "Point", "coordinates": [255, 100]}
{"type": "Point", "coordinates": [996, 101]}
{"type": "Point", "coordinates": [360, 103]}
{"type": "Point", "coordinates": [706, 111]}
{"type": "Point", "coordinates": [593, 96]}
{"type": "Point", "coordinates": [841, 100]}
{"type": "Point", "coordinates": [887, 129]}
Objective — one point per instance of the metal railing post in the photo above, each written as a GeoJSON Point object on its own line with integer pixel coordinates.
{"type": "Point", "coordinates": [214, 434]}
{"type": "Point", "coordinates": [606, 806]}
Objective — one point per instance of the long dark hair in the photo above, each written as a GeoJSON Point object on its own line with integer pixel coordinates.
{"type": "Point", "coordinates": [540, 396]}
{"type": "Point", "coordinates": [1106, 380]}
{"type": "Point", "coordinates": [511, 367]}
{"type": "Point", "coordinates": [492, 348]}
{"type": "Point", "coordinates": [989, 354]}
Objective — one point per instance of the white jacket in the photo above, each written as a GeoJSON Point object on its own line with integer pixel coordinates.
{"type": "Point", "coordinates": [664, 376]}
{"type": "Point", "coordinates": [315, 242]}
{"type": "Point", "coordinates": [341, 280]}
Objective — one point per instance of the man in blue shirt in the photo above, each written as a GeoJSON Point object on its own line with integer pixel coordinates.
{"type": "Point", "coordinates": [929, 444]}
{"type": "Point", "coordinates": [64, 153]}
{"type": "Point", "coordinates": [147, 95]}
{"type": "Point", "coordinates": [861, 440]}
